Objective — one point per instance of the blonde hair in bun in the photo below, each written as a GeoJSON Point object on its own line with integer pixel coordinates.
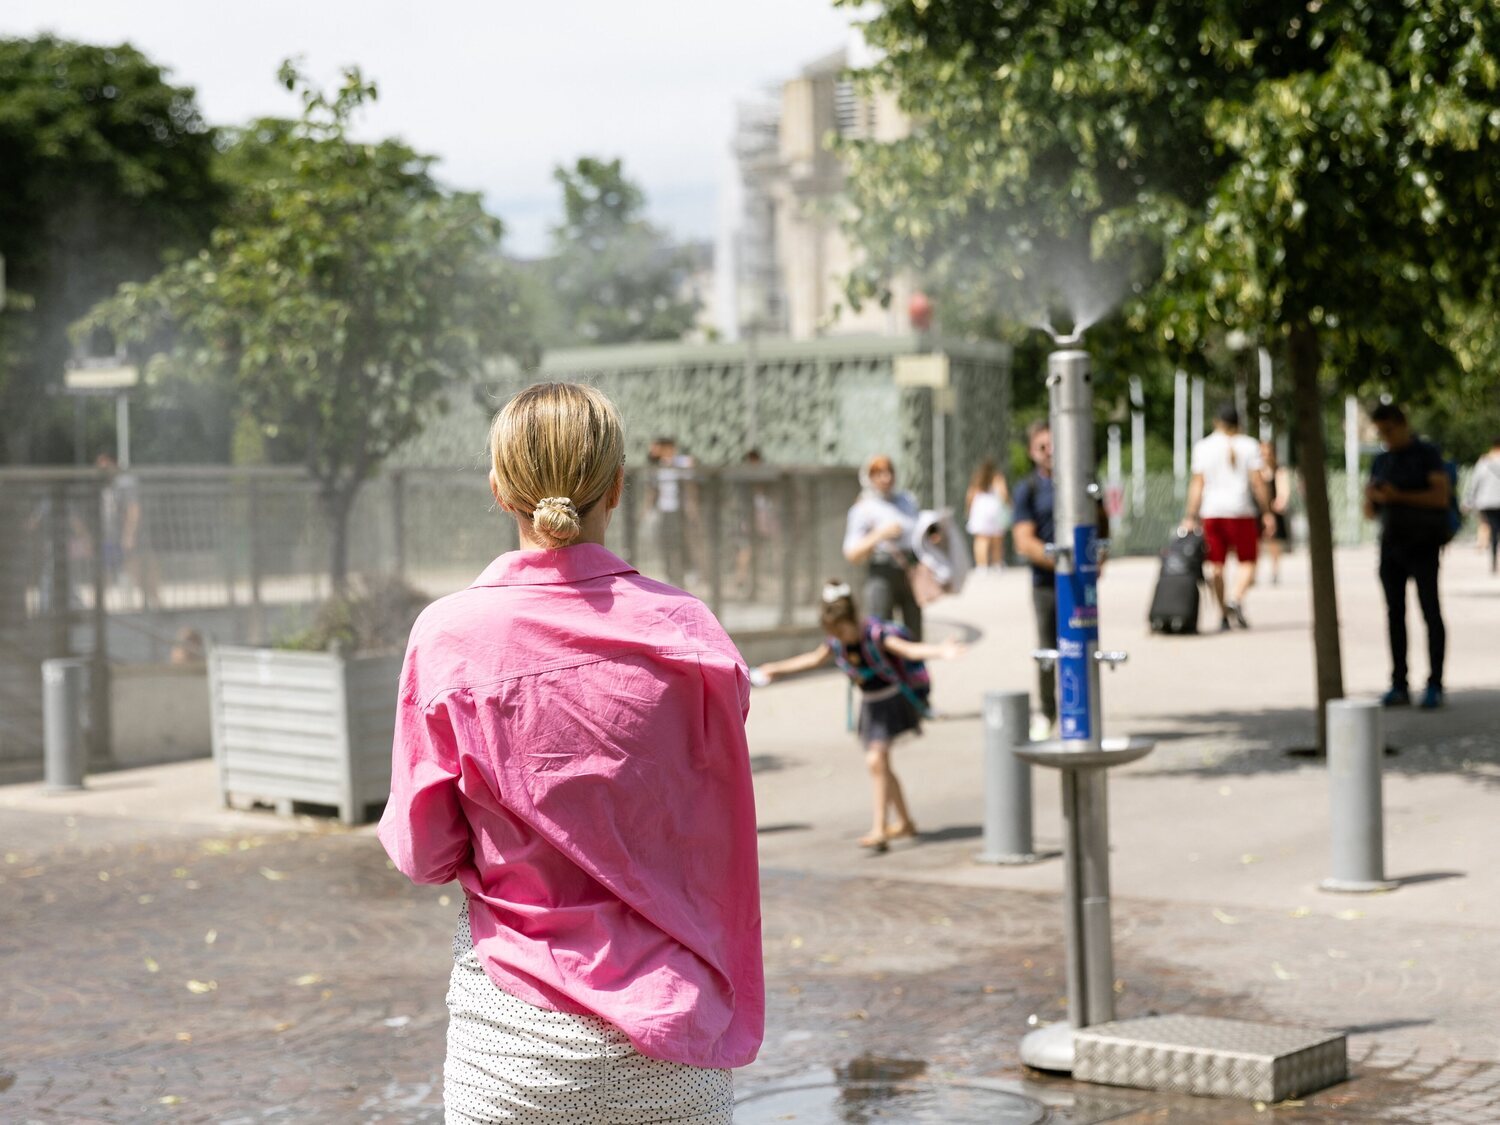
{"type": "Point", "coordinates": [555, 517]}
{"type": "Point", "coordinates": [555, 449]}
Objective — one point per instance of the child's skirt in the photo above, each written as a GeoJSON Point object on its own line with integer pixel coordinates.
{"type": "Point", "coordinates": [887, 713]}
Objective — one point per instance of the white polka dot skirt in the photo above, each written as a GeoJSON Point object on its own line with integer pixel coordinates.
{"type": "Point", "coordinates": [512, 1061]}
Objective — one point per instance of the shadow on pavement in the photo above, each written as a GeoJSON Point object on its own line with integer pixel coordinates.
{"type": "Point", "coordinates": [1460, 738]}
{"type": "Point", "coordinates": [1383, 1025]}
{"type": "Point", "coordinates": [1427, 877]}
{"type": "Point", "coordinates": [951, 832]}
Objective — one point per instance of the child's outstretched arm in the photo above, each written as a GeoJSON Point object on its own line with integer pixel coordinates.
{"type": "Point", "coordinates": [916, 650]}
{"type": "Point", "coordinates": [805, 662]}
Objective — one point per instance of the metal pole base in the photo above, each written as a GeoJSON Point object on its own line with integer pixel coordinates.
{"type": "Point", "coordinates": [1008, 860]}
{"type": "Point", "coordinates": [1357, 887]}
{"type": "Point", "coordinates": [1049, 1048]}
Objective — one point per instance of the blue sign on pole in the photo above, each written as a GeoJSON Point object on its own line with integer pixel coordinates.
{"type": "Point", "coordinates": [1078, 636]}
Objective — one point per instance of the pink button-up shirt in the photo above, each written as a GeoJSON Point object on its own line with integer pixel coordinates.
{"type": "Point", "coordinates": [570, 746]}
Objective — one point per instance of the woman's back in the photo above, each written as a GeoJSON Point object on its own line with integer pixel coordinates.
{"type": "Point", "coordinates": [585, 777]}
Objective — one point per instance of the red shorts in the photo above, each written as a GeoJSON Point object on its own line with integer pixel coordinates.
{"type": "Point", "coordinates": [1240, 534]}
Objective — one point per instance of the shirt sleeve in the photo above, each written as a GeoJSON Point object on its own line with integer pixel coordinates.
{"type": "Point", "coordinates": [1253, 457]}
{"type": "Point", "coordinates": [1199, 461]}
{"type": "Point", "coordinates": [1022, 508]}
{"type": "Point", "coordinates": [857, 526]}
{"type": "Point", "coordinates": [424, 829]}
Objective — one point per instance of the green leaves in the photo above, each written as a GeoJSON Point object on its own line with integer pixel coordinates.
{"type": "Point", "coordinates": [613, 276]}
{"type": "Point", "coordinates": [342, 296]}
{"type": "Point", "coordinates": [104, 166]}
{"type": "Point", "coordinates": [1254, 167]}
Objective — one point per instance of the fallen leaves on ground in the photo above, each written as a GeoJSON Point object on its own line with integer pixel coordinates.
{"type": "Point", "coordinates": [1227, 919]}
{"type": "Point", "coordinates": [199, 987]}
{"type": "Point", "coordinates": [273, 875]}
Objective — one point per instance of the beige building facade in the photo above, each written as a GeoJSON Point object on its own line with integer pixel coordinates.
{"type": "Point", "coordinates": [792, 257]}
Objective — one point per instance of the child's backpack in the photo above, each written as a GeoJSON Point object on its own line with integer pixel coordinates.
{"type": "Point", "coordinates": [887, 668]}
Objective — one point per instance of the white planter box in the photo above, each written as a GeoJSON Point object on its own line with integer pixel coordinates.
{"type": "Point", "coordinates": [308, 727]}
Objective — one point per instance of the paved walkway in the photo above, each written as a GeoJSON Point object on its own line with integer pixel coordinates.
{"type": "Point", "coordinates": [161, 958]}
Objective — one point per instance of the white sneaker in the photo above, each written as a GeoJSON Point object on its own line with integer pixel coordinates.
{"type": "Point", "coordinates": [1041, 728]}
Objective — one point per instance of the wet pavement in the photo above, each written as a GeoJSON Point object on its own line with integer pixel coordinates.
{"type": "Point", "coordinates": [297, 978]}
{"type": "Point", "coordinates": [164, 959]}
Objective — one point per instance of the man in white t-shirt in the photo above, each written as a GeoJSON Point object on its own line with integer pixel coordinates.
{"type": "Point", "coordinates": [1228, 498]}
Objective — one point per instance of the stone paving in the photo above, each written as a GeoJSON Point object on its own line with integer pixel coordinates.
{"type": "Point", "coordinates": [297, 978]}
{"type": "Point", "coordinates": [163, 960]}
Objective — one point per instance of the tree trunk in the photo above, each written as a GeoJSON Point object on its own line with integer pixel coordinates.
{"type": "Point", "coordinates": [338, 503]}
{"type": "Point", "coordinates": [1312, 460]}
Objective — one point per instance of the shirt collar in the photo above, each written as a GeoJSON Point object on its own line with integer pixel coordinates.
{"type": "Point", "coordinates": [563, 565]}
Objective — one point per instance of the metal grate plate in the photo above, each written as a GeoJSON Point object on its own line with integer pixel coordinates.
{"type": "Point", "coordinates": [1214, 1057]}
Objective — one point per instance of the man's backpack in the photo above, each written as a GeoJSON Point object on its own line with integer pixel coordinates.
{"type": "Point", "coordinates": [1455, 515]}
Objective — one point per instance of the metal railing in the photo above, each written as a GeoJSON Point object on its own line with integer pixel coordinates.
{"type": "Point", "coordinates": [118, 567]}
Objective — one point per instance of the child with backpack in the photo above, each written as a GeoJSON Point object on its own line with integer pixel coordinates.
{"type": "Point", "coordinates": [887, 667]}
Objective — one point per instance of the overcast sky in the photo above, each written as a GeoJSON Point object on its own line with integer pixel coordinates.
{"type": "Point", "coordinates": [501, 91]}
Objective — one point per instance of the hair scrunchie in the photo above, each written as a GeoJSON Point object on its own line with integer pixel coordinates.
{"type": "Point", "coordinates": [555, 504]}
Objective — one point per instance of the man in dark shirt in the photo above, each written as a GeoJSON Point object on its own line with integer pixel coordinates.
{"type": "Point", "coordinates": [1032, 530]}
{"type": "Point", "coordinates": [1408, 493]}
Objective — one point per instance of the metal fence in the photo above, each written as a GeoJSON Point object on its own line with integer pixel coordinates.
{"type": "Point", "coordinates": [120, 567]}
{"type": "Point", "coordinates": [129, 567]}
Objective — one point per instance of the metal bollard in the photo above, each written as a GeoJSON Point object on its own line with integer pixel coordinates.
{"type": "Point", "coordinates": [1007, 780]}
{"type": "Point", "coordinates": [65, 747]}
{"type": "Point", "coordinates": [1356, 744]}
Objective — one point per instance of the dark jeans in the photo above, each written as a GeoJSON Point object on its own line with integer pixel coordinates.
{"type": "Point", "coordinates": [1492, 517]}
{"type": "Point", "coordinates": [887, 589]}
{"type": "Point", "coordinates": [1400, 563]}
{"type": "Point", "coordinates": [1044, 601]}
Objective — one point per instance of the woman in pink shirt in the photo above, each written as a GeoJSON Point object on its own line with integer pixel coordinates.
{"type": "Point", "coordinates": [570, 747]}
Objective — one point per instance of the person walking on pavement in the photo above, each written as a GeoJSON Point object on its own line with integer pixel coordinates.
{"type": "Point", "coordinates": [879, 533]}
{"type": "Point", "coordinates": [1032, 531]}
{"type": "Point", "coordinates": [1279, 490]}
{"type": "Point", "coordinates": [1226, 495]}
{"type": "Point", "coordinates": [1483, 496]}
{"type": "Point", "coordinates": [1408, 493]}
{"type": "Point", "coordinates": [570, 747]}
{"type": "Point", "coordinates": [886, 666]}
{"type": "Point", "coordinates": [987, 508]}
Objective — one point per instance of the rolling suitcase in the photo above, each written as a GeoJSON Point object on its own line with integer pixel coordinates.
{"type": "Point", "coordinates": [1174, 605]}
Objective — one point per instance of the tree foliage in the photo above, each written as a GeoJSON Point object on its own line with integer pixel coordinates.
{"type": "Point", "coordinates": [615, 278]}
{"type": "Point", "coordinates": [1321, 174]}
{"type": "Point", "coordinates": [105, 167]}
{"type": "Point", "coordinates": [1227, 165]}
{"type": "Point", "coordinates": [344, 297]}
